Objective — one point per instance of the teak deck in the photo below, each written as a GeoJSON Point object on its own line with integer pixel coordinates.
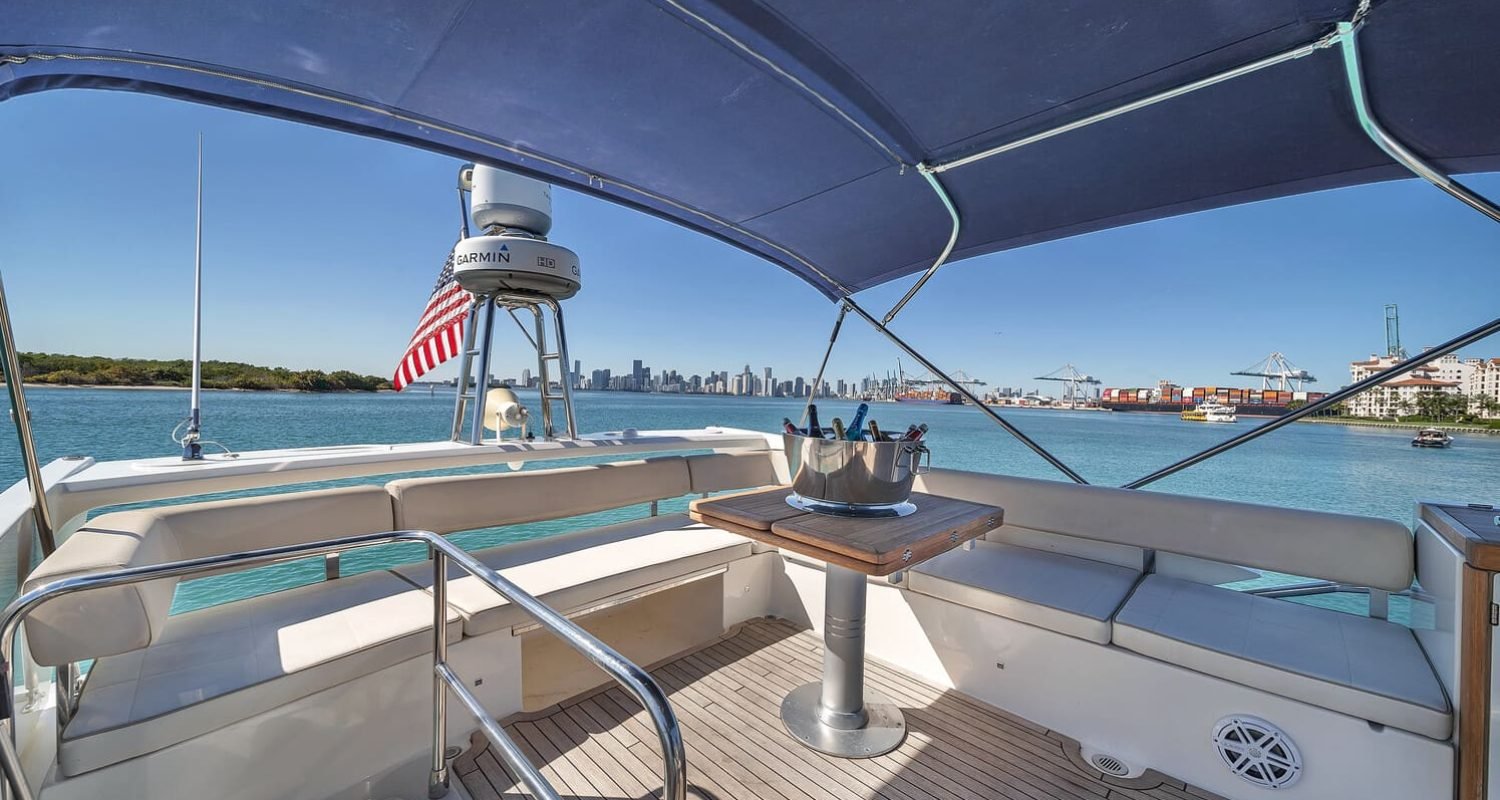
{"type": "Point", "coordinates": [727, 698]}
{"type": "Point", "coordinates": [871, 546]}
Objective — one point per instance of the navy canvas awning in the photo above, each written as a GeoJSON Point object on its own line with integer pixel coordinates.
{"type": "Point", "coordinates": [791, 128]}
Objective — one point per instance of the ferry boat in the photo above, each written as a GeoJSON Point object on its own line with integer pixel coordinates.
{"type": "Point", "coordinates": [1210, 412]}
{"type": "Point", "coordinates": [1432, 437]}
{"type": "Point", "coordinates": [1091, 643]}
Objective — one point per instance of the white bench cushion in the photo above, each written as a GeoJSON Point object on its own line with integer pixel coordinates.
{"type": "Point", "coordinates": [217, 666]}
{"type": "Point", "coordinates": [460, 503]}
{"type": "Point", "coordinates": [105, 622]}
{"type": "Point", "coordinates": [573, 570]}
{"type": "Point", "coordinates": [1367, 668]}
{"type": "Point", "coordinates": [1067, 594]}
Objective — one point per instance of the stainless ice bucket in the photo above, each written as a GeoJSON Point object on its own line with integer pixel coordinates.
{"type": "Point", "coordinates": [835, 476]}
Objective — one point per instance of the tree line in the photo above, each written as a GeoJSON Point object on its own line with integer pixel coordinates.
{"type": "Point", "coordinates": [69, 370]}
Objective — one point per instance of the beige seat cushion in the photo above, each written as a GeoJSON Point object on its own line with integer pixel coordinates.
{"type": "Point", "coordinates": [220, 665]}
{"type": "Point", "coordinates": [1064, 593]}
{"type": "Point", "coordinates": [466, 502]}
{"type": "Point", "coordinates": [1363, 551]}
{"type": "Point", "coordinates": [105, 622]}
{"type": "Point", "coordinates": [719, 472]}
{"type": "Point", "coordinates": [1367, 668]}
{"type": "Point", "coordinates": [573, 570]}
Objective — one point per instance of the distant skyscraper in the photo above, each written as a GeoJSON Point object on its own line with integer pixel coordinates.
{"type": "Point", "coordinates": [635, 375]}
{"type": "Point", "coordinates": [798, 387]}
{"type": "Point", "coordinates": [577, 373]}
{"type": "Point", "coordinates": [526, 377]}
{"type": "Point", "coordinates": [769, 385]}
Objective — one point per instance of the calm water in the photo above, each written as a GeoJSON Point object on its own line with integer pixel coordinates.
{"type": "Point", "coordinates": [1322, 467]}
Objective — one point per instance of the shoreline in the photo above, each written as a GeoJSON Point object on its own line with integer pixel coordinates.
{"type": "Point", "coordinates": [149, 388]}
{"type": "Point", "coordinates": [1454, 427]}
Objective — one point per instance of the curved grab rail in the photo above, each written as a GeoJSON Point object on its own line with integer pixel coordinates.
{"type": "Point", "coordinates": [631, 677]}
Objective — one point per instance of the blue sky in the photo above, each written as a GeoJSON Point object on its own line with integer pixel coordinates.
{"type": "Point", "coordinates": [320, 249]}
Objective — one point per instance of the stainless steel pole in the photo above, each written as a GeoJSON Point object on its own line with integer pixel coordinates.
{"type": "Point", "coordinates": [942, 193]}
{"type": "Point", "coordinates": [833, 336]}
{"type": "Point", "coordinates": [842, 704]}
{"type": "Point", "coordinates": [1348, 38]}
{"type": "Point", "coordinates": [466, 366]}
{"type": "Point", "coordinates": [567, 365]}
{"type": "Point", "coordinates": [21, 413]}
{"type": "Point", "coordinates": [1463, 340]}
{"type": "Point", "coordinates": [437, 779]}
{"type": "Point", "coordinates": [543, 374]}
{"type": "Point", "coordinates": [485, 344]}
{"type": "Point", "coordinates": [968, 395]}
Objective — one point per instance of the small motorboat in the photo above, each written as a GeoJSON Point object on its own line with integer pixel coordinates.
{"type": "Point", "coordinates": [1432, 437]}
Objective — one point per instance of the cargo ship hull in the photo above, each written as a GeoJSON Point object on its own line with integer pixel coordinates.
{"type": "Point", "coordinates": [1178, 408]}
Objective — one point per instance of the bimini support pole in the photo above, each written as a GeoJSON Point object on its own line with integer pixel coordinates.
{"type": "Point", "coordinates": [833, 336]}
{"type": "Point", "coordinates": [1463, 340]}
{"type": "Point", "coordinates": [21, 413]}
{"type": "Point", "coordinates": [1348, 41]}
{"type": "Point", "coordinates": [942, 193]}
{"type": "Point", "coordinates": [968, 395]}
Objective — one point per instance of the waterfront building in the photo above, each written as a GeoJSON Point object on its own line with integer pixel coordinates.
{"type": "Point", "coordinates": [1483, 387]}
{"type": "Point", "coordinates": [798, 387]}
{"type": "Point", "coordinates": [1398, 395]}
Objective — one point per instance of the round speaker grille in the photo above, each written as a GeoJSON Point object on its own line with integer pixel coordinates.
{"type": "Point", "coordinates": [1258, 752]}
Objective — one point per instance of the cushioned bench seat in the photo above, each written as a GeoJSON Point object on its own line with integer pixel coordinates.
{"type": "Point", "coordinates": [572, 570]}
{"type": "Point", "coordinates": [1064, 593]}
{"type": "Point", "coordinates": [1367, 668]}
{"type": "Point", "coordinates": [217, 666]}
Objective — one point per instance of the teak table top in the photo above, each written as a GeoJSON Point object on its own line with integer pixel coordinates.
{"type": "Point", "coordinates": [873, 546]}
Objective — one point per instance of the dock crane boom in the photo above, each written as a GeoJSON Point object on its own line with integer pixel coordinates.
{"type": "Point", "coordinates": [1275, 367]}
{"type": "Point", "coordinates": [1074, 379]}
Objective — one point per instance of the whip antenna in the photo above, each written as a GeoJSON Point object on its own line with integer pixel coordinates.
{"type": "Point", "coordinates": [191, 450]}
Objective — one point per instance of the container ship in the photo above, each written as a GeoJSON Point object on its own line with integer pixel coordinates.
{"type": "Point", "coordinates": [934, 397]}
{"type": "Point", "coordinates": [1176, 399]}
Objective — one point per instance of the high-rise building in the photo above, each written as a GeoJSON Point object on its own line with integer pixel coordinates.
{"type": "Point", "coordinates": [1397, 396]}
{"type": "Point", "coordinates": [798, 387]}
{"type": "Point", "coordinates": [577, 373]}
{"type": "Point", "coordinates": [635, 375]}
{"type": "Point", "coordinates": [526, 377]}
{"type": "Point", "coordinates": [769, 384]}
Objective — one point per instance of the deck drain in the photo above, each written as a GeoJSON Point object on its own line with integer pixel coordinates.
{"type": "Point", "coordinates": [1109, 765]}
{"type": "Point", "coordinates": [1112, 766]}
{"type": "Point", "coordinates": [1258, 752]}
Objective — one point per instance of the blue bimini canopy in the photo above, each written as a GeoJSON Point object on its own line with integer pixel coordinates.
{"type": "Point", "coordinates": [796, 129]}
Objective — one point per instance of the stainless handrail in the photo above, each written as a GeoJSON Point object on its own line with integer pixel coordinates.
{"type": "Point", "coordinates": [628, 675]}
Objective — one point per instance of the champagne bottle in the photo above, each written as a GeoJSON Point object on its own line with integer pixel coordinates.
{"type": "Point", "coordinates": [874, 431]}
{"type": "Point", "coordinates": [786, 424]}
{"type": "Point", "coordinates": [838, 428]}
{"type": "Point", "coordinates": [813, 429]}
{"type": "Point", "coordinates": [857, 425]}
{"type": "Point", "coordinates": [915, 432]}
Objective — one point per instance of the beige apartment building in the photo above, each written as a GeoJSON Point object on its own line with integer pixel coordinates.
{"type": "Point", "coordinates": [1472, 377]}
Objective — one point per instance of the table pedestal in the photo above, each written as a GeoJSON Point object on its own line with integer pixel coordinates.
{"type": "Point", "coordinates": [837, 716]}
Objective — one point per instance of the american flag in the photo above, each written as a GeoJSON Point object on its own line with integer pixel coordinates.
{"type": "Point", "coordinates": [440, 332]}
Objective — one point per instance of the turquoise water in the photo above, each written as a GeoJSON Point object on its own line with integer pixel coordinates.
{"type": "Point", "coordinates": [1320, 467]}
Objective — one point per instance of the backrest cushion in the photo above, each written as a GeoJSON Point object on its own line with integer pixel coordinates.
{"type": "Point", "coordinates": [103, 622]}
{"type": "Point", "coordinates": [1339, 547]}
{"type": "Point", "coordinates": [718, 472]}
{"type": "Point", "coordinates": [466, 502]}
{"type": "Point", "coordinates": [252, 523]}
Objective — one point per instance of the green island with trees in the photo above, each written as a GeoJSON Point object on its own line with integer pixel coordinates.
{"type": "Point", "coordinates": [68, 370]}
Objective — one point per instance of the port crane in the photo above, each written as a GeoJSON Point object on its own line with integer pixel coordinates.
{"type": "Point", "coordinates": [1275, 367]}
{"type": "Point", "coordinates": [1074, 379]}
